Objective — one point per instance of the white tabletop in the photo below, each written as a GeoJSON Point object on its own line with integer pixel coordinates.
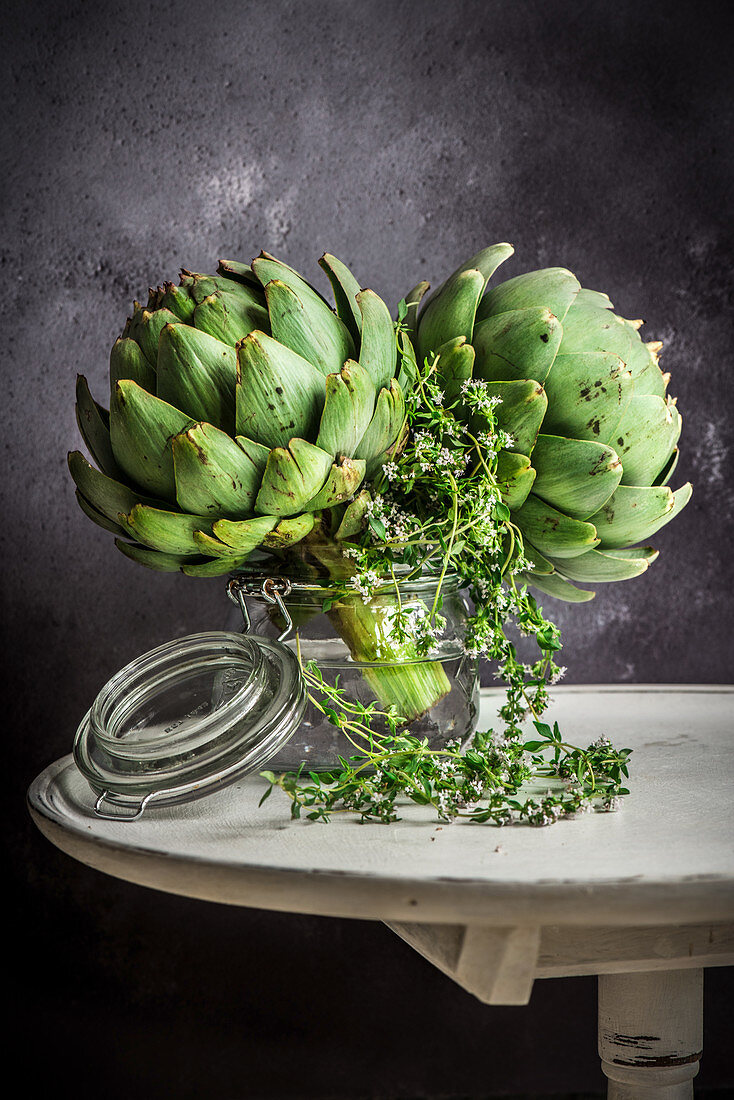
{"type": "Point", "coordinates": [666, 857]}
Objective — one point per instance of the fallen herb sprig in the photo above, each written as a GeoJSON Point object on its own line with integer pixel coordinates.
{"type": "Point", "coordinates": [485, 781]}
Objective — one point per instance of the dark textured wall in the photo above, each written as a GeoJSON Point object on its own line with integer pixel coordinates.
{"type": "Point", "coordinates": [402, 136]}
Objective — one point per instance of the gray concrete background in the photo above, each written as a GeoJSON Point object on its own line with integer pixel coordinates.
{"type": "Point", "coordinates": [402, 136]}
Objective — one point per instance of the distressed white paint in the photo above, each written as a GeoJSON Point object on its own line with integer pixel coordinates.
{"type": "Point", "coordinates": [651, 1033]}
{"type": "Point", "coordinates": [497, 965]}
{"type": "Point", "coordinates": [570, 950]}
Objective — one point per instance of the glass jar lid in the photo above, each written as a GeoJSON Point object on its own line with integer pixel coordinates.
{"type": "Point", "coordinates": [188, 717]}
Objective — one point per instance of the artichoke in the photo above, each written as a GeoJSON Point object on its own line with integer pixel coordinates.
{"type": "Point", "coordinates": [243, 412]}
{"type": "Point", "coordinates": [593, 436]}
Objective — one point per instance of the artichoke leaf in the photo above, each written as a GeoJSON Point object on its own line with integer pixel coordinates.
{"type": "Point", "coordinates": [279, 393]}
{"type": "Point", "coordinates": [576, 476]}
{"type": "Point", "coordinates": [588, 393]}
{"type": "Point", "coordinates": [245, 535]}
{"type": "Point", "coordinates": [352, 522]}
{"type": "Point", "coordinates": [635, 513]}
{"type": "Point", "coordinates": [267, 268]}
{"type": "Point", "coordinates": [145, 327]}
{"type": "Point", "coordinates": [519, 344]}
{"type": "Point", "coordinates": [153, 559]}
{"type": "Point", "coordinates": [396, 448]}
{"type": "Point", "coordinates": [378, 349]}
{"type": "Point", "coordinates": [408, 372]}
{"type": "Point", "coordinates": [212, 547]}
{"type": "Point", "coordinates": [538, 562]}
{"type": "Point", "coordinates": [104, 494]}
{"type": "Point", "coordinates": [170, 532]}
{"type": "Point", "coordinates": [197, 373]}
{"type": "Point", "coordinates": [515, 477]}
{"type": "Point", "coordinates": [345, 288]}
{"type": "Point", "coordinates": [178, 301]}
{"type": "Point", "coordinates": [215, 476]}
{"type": "Point", "coordinates": [413, 300]}
{"type": "Point", "coordinates": [198, 286]}
{"type": "Point", "coordinates": [590, 328]}
{"type": "Point", "coordinates": [486, 261]}
{"type": "Point", "coordinates": [598, 567]}
{"type": "Point", "coordinates": [97, 517]}
{"type": "Point", "coordinates": [341, 484]}
{"type": "Point", "coordinates": [384, 429]}
{"type": "Point", "coordinates": [290, 531]}
{"type": "Point", "coordinates": [94, 426]}
{"type": "Point", "coordinates": [211, 317]}
{"type": "Point", "coordinates": [215, 316]}
{"type": "Point", "coordinates": [214, 567]}
{"type": "Point", "coordinates": [239, 273]}
{"type": "Point", "coordinates": [646, 437]}
{"type": "Point", "coordinates": [255, 454]}
{"type": "Point", "coordinates": [310, 330]}
{"type": "Point", "coordinates": [348, 409]}
{"type": "Point", "coordinates": [552, 288]}
{"type": "Point", "coordinates": [555, 586]}
{"type": "Point", "coordinates": [555, 534]}
{"type": "Point", "coordinates": [668, 469]}
{"type": "Point", "coordinates": [595, 298]}
{"type": "Point", "coordinates": [241, 298]}
{"type": "Point", "coordinates": [454, 367]}
{"type": "Point", "coordinates": [520, 412]}
{"type": "Point", "coordinates": [127, 361]}
{"type": "Point", "coordinates": [141, 429]}
{"type": "Point", "coordinates": [451, 312]}
{"type": "Point", "coordinates": [293, 476]}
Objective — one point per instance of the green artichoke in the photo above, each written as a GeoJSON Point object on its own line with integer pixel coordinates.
{"type": "Point", "coordinates": [245, 413]}
{"type": "Point", "coordinates": [592, 434]}
{"type": "Point", "coordinates": [244, 410]}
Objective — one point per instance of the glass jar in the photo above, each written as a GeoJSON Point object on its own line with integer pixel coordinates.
{"type": "Point", "coordinates": [360, 644]}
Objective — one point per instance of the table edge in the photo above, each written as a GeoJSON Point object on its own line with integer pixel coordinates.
{"type": "Point", "coordinates": [371, 897]}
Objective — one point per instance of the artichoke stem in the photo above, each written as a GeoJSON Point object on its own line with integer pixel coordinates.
{"type": "Point", "coordinates": [401, 679]}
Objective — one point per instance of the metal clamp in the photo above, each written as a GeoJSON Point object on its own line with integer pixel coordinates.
{"type": "Point", "coordinates": [123, 817]}
{"type": "Point", "coordinates": [236, 589]}
{"type": "Point", "coordinates": [272, 591]}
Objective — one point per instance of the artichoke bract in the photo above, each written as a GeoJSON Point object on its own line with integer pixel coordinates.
{"type": "Point", "coordinates": [592, 436]}
{"type": "Point", "coordinates": [243, 410]}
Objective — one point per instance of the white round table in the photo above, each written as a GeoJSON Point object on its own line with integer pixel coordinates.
{"type": "Point", "coordinates": [643, 897]}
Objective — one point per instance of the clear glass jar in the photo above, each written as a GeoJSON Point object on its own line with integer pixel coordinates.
{"type": "Point", "coordinates": [355, 642]}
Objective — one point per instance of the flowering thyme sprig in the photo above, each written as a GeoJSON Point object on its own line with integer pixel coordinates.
{"type": "Point", "coordinates": [438, 506]}
{"type": "Point", "coordinates": [495, 778]}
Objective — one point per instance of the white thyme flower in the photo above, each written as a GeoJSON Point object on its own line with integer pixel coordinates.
{"type": "Point", "coordinates": [367, 582]}
{"type": "Point", "coordinates": [601, 742]}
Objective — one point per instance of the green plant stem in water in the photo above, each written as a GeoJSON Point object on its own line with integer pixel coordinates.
{"type": "Point", "coordinates": [399, 677]}
{"type": "Point", "coordinates": [402, 679]}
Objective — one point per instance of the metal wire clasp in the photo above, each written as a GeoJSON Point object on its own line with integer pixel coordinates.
{"type": "Point", "coordinates": [236, 589]}
{"type": "Point", "coordinates": [272, 590]}
{"type": "Point", "coordinates": [99, 812]}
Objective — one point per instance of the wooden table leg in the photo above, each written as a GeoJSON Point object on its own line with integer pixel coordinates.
{"type": "Point", "coordinates": [651, 1033]}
